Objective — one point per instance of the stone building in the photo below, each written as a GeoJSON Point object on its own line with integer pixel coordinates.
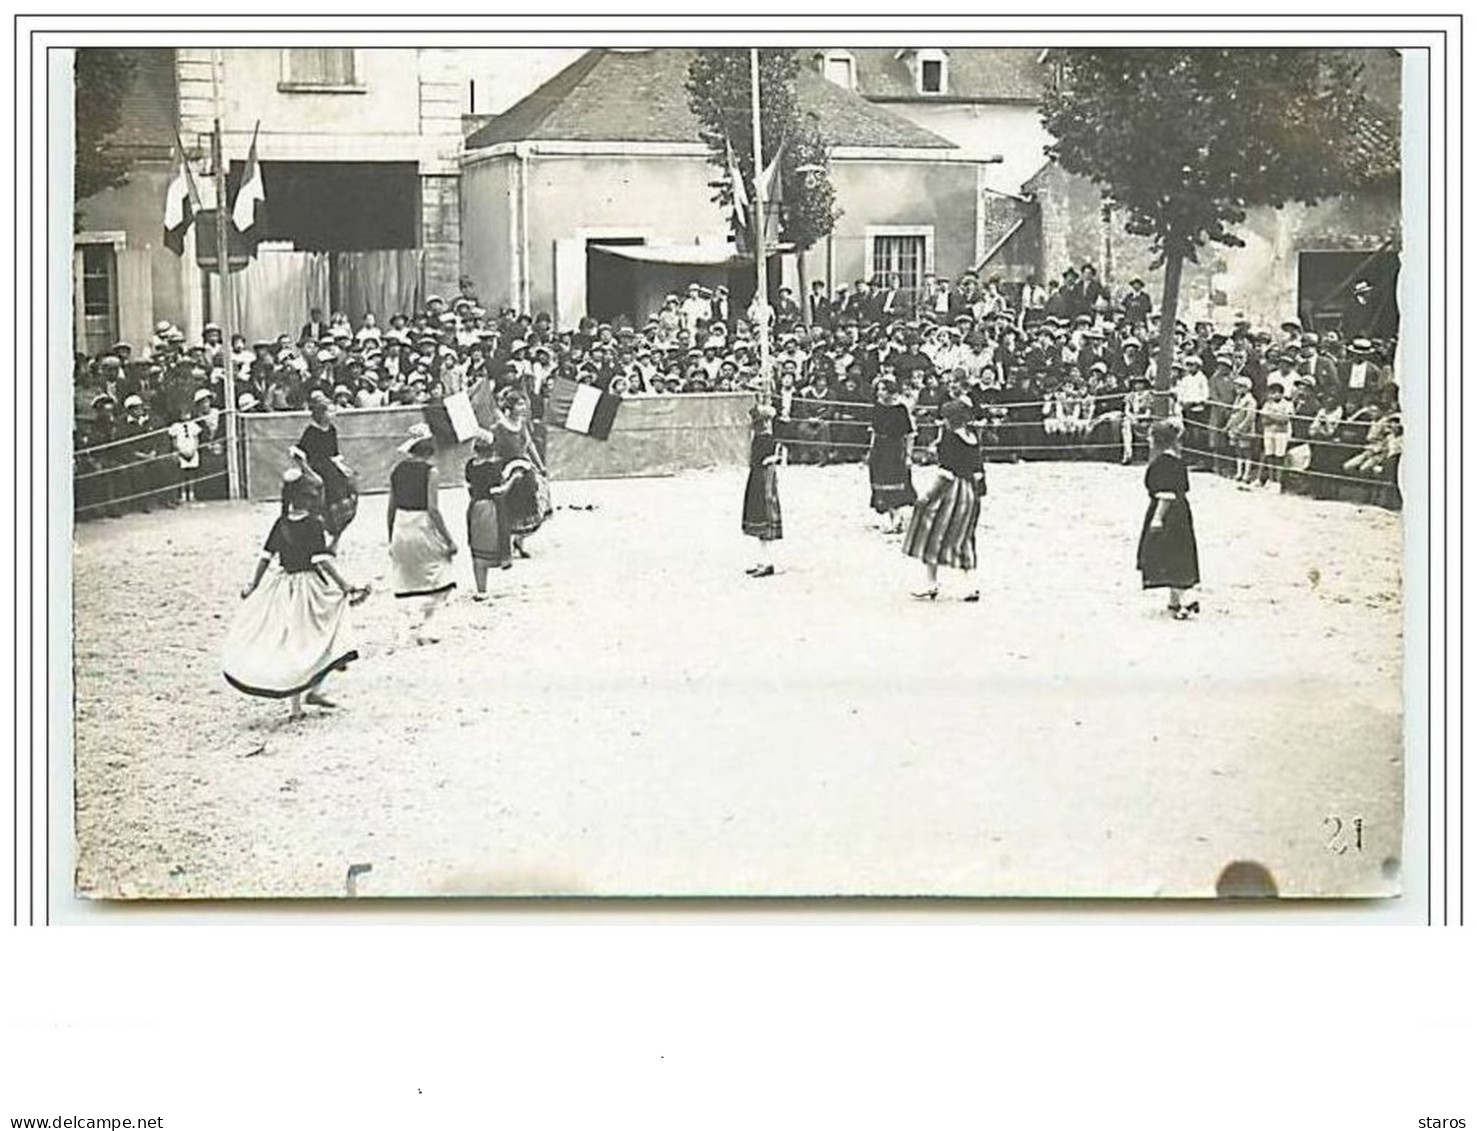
{"type": "Point", "coordinates": [594, 194]}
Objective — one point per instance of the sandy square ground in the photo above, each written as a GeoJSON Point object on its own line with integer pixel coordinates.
{"type": "Point", "coordinates": [632, 715]}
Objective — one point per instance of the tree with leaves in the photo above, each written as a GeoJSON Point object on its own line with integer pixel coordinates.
{"type": "Point", "coordinates": [1184, 142]}
{"type": "Point", "coordinates": [101, 78]}
{"type": "Point", "coordinates": [718, 92]}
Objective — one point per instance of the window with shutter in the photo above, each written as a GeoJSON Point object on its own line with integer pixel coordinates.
{"type": "Point", "coordinates": [319, 68]}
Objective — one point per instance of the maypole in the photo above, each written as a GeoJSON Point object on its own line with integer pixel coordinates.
{"type": "Point", "coordinates": [227, 314]}
{"type": "Point", "coordinates": [761, 290]}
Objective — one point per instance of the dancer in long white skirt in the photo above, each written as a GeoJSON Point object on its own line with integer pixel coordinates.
{"type": "Point", "coordinates": [292, 628]}
{"type": "Point", "coordinates": [421, 546]}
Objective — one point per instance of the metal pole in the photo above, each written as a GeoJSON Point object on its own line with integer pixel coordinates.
{"type": "Point", "coordinates": [227, 311]}
{"type": "Point", "coordinates": [761, 266]}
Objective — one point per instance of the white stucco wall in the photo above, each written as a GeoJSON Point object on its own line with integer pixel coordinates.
{"type": "Point", "coordinates": [1010, 131]}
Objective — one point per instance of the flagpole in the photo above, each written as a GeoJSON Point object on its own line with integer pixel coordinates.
{"type": "Point", "coordinates": [227, 317]}
{"type": "Point", "coordinates": [756, 236]}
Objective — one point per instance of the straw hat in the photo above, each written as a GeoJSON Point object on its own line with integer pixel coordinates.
{"type": "Point", "coordinates": [419, 434]}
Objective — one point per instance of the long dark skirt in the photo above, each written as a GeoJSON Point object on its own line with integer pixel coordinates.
{"type": "Point", "coordinates": [523, 505]}
{"type": "Point", "coordinates": [891, 477]}
{"type": "Point", "coordinates": [1169, 557]}
{"type": "Point", "coordinates": [761, 517]}
{"type": "Point", "coordinates": [340, 500]}
{"type": "Point", "coordinates": [942, 529]}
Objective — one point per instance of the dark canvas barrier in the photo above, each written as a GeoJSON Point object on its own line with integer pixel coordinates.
{"type": "Point", "coordinates": [652, 436]}
{"type": "Point", "coordinates": [659, 436]}
{"type": "Point", "coordinates": [367, 439]}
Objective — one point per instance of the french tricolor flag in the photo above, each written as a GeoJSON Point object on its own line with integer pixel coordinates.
{"type": "Point", "coordinates": [582, 408]}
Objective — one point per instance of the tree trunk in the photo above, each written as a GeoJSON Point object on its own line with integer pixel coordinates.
{"type": "Point", "coordinates": [1174, 263]}
{"type": "Point", "coordinates": [804, 286]}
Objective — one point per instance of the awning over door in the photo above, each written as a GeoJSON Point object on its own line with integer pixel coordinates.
{"type": "Point", "coordinates": [682, 254]}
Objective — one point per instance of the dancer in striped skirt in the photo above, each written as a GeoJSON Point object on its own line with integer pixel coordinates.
{"type": "Point", "coordinates": [942, 529]}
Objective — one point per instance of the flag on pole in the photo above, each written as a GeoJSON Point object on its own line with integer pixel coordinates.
{"type": "Point", "coordinates": [740, 194]}
{"type": "Point", "coordinates": [582, 408]}
{"type": "Point", "coordinates": [181, 203]}
{"type": "Point", "coordinates": [772, 190]}
{"type": "Point", "coordinates": [243, 214]}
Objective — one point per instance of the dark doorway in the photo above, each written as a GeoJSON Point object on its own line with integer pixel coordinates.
{"type": "Point", "coordinates": [610, 281]}
{"type": "Point", "coordinates": [338, 205]}
{"type": "Point", "coordinates": [1326, 292]}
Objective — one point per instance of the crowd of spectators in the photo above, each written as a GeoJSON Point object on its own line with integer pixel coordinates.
{"type": "Point", "coordinates": [1065, 370]}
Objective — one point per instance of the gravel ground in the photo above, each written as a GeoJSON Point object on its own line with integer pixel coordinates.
{"type": "Point", "coordinates": [632, 715]}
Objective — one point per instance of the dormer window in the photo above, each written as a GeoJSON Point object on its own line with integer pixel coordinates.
{"type": "Point", "coordinates": [931, 70]}
{"type": "Point", "coordinates": [840, 68]}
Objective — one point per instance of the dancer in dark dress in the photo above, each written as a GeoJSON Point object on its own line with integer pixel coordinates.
{"type": "Point", "coordinates": [1168, 557]}
{"type": "Point", "coordinates": [761, 517]}
{"type": "Point", "coordinates": [317, 449]}
{"type": "Point", "coordinates": [527, 503]}
{"type": "Point", "coordinates": [888, 463]}
{"type": "Point", "coordinates": [489, 536]}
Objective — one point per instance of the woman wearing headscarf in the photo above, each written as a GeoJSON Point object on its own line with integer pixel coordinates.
{"type": "Point", "coordinates": [942, 529]}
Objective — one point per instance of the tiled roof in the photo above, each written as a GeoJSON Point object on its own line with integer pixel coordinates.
{"type": "Point", "coordinates": [1375, 145]}
{"type": "Point", "coordinates": [641, 96]}
{"type": "Point", "coordinates": [976, 74]}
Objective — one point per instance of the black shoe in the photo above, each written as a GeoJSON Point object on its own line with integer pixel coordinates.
{"type": "Point", "coordinates": [762, 571]}
{"type": "Point", "coordinates": [973, 598]}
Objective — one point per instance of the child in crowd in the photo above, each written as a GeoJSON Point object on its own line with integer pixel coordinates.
{"type": "Point", "coordinates": [184, 433]}
{"type": "Point", "coordinates": [1241, 430]}
{"type": "Point", "coordinates": [1276, 416]}
{"type": "Point", "coordinates": [1138, 410]}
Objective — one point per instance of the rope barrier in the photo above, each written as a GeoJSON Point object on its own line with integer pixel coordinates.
{"type": "Point", "coordinates": [1383, 480]}
{"type": "Point", "coordinates": [154, 494]}
{"type": "Point", "coordinates": [136, 437]}
{"type": "Point", "coordinates": [1293, 442]}
{"type": "Point", "coordinates": [115, 468]}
